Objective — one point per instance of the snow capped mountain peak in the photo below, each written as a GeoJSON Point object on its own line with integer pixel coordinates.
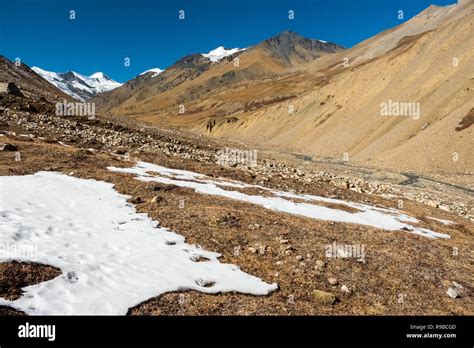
{"type": "Point", "coordinates": [39, 70]}
{"type": "Point", "coordinates": [78, 86]}
{"type": "Point", "coordinates": [155, 71]}
{"type": "Point", "coordinates": [220, 52]}
{"type": "Point", "coordinates": [99, 75]}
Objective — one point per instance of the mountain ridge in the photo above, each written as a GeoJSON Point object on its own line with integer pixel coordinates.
{"type": "Point", "coordinates": [330, 105]}
{"type": "Point", "coordinates": [78, 86]}
{"type": "Point", "coordinates": [262, 60]}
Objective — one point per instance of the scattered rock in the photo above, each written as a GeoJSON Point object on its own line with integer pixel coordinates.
{"type": "Point", "coordinates": [136, 200]}
{"type": "Point", "coordinates": [332, 281]}
{"type": "Point", "coordinates": [121, 150]}
{"type": "Point", "coordinates": [10, 88]}
{"type": "Point", "coordinates": [453, 292]}
{"type": "Point", "coordinates": [324, 297]}
{"type": "Point", "coordinates": [252, 250]}
{"type": "Point", "coordinates": [299, 258]}
{"type": "Point", "coordinates": [319, 265]}
{"type": "Point", "coordinates": [7, 147]}
{"type": "Point", "coordinates": [345, 289]}
{"type": "Point", "coordinates": [157, 199]}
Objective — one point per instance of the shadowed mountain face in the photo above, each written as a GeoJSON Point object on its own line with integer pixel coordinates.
{"type": "Point", "coordinates": [294, 49]}
{"type": "Point", "coordinates": [288, 49]}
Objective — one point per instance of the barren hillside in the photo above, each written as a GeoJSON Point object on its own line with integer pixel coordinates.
{"type": "Point", "coordinates": [332, 106]}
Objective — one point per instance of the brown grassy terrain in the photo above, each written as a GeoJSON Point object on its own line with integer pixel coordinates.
{"type": "Point", "coordinates": [277, 247]}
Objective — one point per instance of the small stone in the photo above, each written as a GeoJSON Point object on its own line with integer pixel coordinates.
{"type": "Point", "coordinates": [252, 250]}
{"type": "Point", "coordinates": [345, 289]}
{"type": "Point", "coordinates": [299, 258]}
{"type": "Point", "coordinates": [319, 265]}
{"type": "Point", "coordinates": [453, 292]}
{"type": "Point", "coordinates": [279, 263]}
{"type": "Point", "coordinates": [156, 199]}
{"type": "Point", "coordinates": [324, 297]}
{"type": "Point", "coordinates": [332, 281]}
{"type": "Point", "coordinates": [283, 241]}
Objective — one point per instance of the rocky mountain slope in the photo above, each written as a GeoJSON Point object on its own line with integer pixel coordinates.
{"type": "Point", "coordinates": [179, 81]}
{"type": "Point", "coordinates": [332, 106]}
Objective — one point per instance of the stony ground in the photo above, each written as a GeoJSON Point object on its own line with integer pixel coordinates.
{"type": "Point", "coordinates": [402, 273]}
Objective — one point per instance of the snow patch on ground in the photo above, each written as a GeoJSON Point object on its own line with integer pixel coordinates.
{"type": "Point", "coordinates": [383, 218]}
{"type": "Point", "coordinates": [112, 258]}
{"type": "Point", "coordinates": [444, 222]}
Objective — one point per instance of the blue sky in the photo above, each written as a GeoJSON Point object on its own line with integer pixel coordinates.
{"type": "Point", "coordinates": [150, 33]}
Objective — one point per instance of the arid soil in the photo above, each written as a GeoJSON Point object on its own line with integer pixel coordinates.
{"type": "Point", "coordinates": [402, 273]}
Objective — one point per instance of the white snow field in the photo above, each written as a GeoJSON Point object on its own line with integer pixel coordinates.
{"type": "Point", "coordinates": [111, 257]}
{"type": "Point", "coordinates": [383, 218]}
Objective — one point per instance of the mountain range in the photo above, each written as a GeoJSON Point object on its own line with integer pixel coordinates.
{"type": "Point", "coordinates": [78, 86]}
{"type": "Point", "coordinates": [302, 95]}
{"type": "Point", "coordinates": [220, 69]}
{"type": "Point", "coordinates": [294, 94]}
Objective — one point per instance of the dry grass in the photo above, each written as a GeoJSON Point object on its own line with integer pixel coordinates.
{"type": "Point", "coordinates": [397, 264]}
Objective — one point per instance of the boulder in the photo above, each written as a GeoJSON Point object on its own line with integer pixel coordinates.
{"type": "Point", "coordinates": [7, 147]}
{"type": "Point", "coordinates": [10, 88]}
{"type": "Point", "coordinates": [324, 297]}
